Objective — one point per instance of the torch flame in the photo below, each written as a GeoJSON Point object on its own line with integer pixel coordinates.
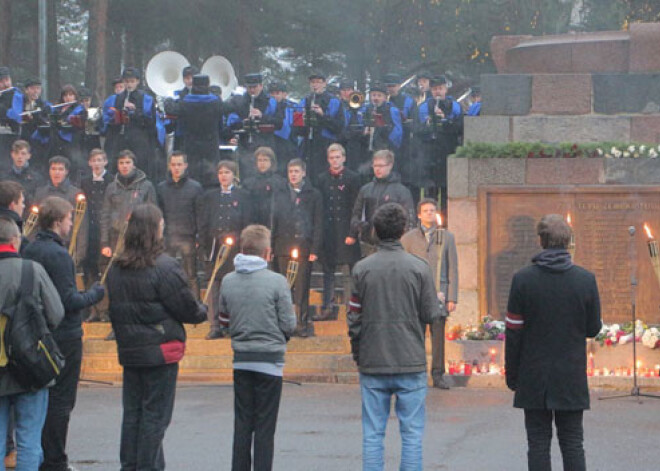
{"type": "Point", "coordinates": [493, 351]}
{"type": "Point", "coordinates": [568, 218]}
{"type": "Point", "coordinates": [229, 241]}
{"type": "Point", "coordinates": [35, 209]}
{"type": "Point", "coordinates": [438, 218]}
{"type": "Point", "coordinates": [649, 234]}
{"type": "Point", "coordinates": [294, 254]}
{"type": "Point", "coordinates": [639, 364]}
{"type": "Point", "coordinates": [80, 197]}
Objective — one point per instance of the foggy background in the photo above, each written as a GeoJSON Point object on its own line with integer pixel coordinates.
{"type": "Point", "coordinates": [89, 41]}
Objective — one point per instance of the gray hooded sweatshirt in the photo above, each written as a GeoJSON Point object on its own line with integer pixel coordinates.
{"type": "Point", "coordinates": [256, 304]}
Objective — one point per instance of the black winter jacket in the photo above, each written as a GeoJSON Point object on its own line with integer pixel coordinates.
{"type": "Point", "coordinates": [372, 196]}
{"type": "Point", "coordinates": [552, 309]}
{"type": "Point", "coordinates": [147, 309]}
{"type": "Point", "coordinates": [121, 196]}
{"type": "Point", "coordinates": [68, 192]}
{"type": "Point", "coordinates": [49, 250]}
{"type": "Point", "coordinates": [178, 200]}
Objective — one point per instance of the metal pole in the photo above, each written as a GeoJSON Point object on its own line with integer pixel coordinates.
{"type": "Point", "coordinates": [43, 56]}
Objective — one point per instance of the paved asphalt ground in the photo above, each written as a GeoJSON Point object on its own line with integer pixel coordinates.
{"type": "Point", "coordinates": [319, 429]}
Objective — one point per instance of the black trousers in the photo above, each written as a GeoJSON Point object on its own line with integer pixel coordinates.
{"type": "Point", "coordinates": [438, 347]}
{"type": "Point", "coordinates": [329, 268]}
{"type": "Point", "coordinates": [61, 400]}
{"type": "Point", "coordinates": [300, 289]}
{"type": "Point", "coordinates": [148, 402]}
{"type": "Point", "coordinates": [538, 424]}
{"type": "Point", "coordinates": [256, 404]}
{"type": "Point", "coordinates": [185, 250]}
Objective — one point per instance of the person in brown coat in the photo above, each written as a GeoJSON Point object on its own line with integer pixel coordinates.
{"type": "Point", "coordinates": [427, 241]}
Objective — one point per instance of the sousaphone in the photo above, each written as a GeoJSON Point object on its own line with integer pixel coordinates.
{"type": "Point", "coordinates": [163, 74]}
{"type": "Point", "coordinates": [221, 73]}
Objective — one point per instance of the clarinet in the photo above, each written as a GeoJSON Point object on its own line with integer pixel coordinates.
{"type": "Point", "coordinates": [311, 120]}
{"type": "Point", "coordinates": [251, 120]}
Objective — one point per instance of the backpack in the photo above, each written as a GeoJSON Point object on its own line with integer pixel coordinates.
{"type": "Point", "coordinates": [27, 347]}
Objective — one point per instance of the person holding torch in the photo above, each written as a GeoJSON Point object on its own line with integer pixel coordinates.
{"type": "Point", "coordinates": [222, 213]}
{"type": "Point", "coordinates": [298, 226]}
{"type": "Point", "coordinates": [438, 247]}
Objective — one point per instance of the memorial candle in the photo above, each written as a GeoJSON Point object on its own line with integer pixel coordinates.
{"type": "Point", "coordinates": [653, 251]}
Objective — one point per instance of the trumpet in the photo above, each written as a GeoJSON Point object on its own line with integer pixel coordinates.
{"type": "Point", "coordinates": [31, 221]}
{"type": "Point", "coordinates": [355, 100]}
{"type": "Point", "coordinates": [79, 215]}
{"type": "Point", "coordinates": [220, 260]}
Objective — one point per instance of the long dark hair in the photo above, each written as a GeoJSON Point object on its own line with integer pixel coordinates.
{"type": "Point", "coordinates": [142, 242]}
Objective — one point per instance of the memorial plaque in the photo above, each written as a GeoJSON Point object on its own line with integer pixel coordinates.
{"type": "Point", "coordinates": [601, 216]}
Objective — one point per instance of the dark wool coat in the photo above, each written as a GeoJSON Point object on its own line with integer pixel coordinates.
{"type": "Point", "coordinates": [220, 215]}
{"type": "Point", "coordinates": [262, 188]}
{"type": "Point", "coordinates": [298, 221]}
{"type": "Point", "coordinates": [551, 312]}
{"type": "Point", "coordinates": [339, 193]}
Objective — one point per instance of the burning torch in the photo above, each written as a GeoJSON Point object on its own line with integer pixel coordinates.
{"type": "Point", "coordinates": [220, 260]}
{"type": "Point", "coordinates": [653, 251]}
{"type": "Point", "coordinates": [79, 215]}
{"type": "Point", "coordinates": [31, 221]}
{"type": "Point", "coordinates": [440, 248]}
{"type": "Point", "coordinates": [292, 268]}
{"type": "Point", "coordinates": [571, 244]}
{"type": "Point", "coordinates": [119, 248]}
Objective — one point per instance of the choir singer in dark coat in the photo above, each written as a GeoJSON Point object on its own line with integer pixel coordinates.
{"type": "Point", "coordinates": [553, 307]}
{"type": "Point", "coordinates": [339, 187]}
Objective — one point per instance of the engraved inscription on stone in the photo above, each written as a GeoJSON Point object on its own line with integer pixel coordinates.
{"type": "Point", "coordinates": [601, 217]}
